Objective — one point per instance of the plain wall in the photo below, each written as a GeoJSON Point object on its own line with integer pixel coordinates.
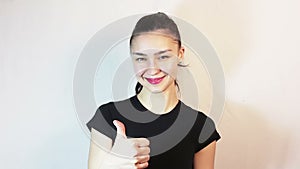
{"type": "Point", "coordinates": [257, 43]}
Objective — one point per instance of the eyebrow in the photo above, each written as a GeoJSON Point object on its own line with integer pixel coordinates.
{"type": "Point", "coordinates": [157, 53]}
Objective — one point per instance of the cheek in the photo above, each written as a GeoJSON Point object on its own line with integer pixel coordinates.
{"type": "Point", "coordinates": [171, 69]}
{"type": "Point", "coordinates": [139, 69]}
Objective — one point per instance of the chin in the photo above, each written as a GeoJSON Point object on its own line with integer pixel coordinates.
{"type": "Point", "coordinates": [156, 91]}
{"type": "Point", "coordinates": [153, 90]}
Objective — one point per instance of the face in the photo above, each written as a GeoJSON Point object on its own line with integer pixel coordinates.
{"type": "Point", "coordinates": [155, 59]}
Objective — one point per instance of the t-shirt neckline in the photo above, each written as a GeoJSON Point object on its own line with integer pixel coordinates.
{"type": "Point", "coordinates": [139, 106]}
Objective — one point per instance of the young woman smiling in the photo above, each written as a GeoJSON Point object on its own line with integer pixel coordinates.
{"type": "Point", "coordinates": [131, 139]}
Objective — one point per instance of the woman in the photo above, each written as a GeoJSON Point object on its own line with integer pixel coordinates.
{"type": "Point", "coordinates": [139, 132]}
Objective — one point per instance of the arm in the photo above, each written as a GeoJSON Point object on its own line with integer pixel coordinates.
{"type": "Point", "coordinates": [204, 159]}
{"type": "Point", "coordinates": [97, 153]}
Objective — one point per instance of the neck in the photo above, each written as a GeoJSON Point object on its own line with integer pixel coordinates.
{"type": "Point", "coordinates": [159, 103]}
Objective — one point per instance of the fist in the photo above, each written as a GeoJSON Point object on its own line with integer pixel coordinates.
{"type": "Point", "coordinates": [136, 150]}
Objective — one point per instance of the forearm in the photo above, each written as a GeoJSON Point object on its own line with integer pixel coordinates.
{"type": "Point", "coordinates": [96, 156]}
{"type": "Point", "coordinates": [100, 147]}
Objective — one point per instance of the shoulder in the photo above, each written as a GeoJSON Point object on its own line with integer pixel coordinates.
{"type": "Point", "coordinates": [102, 121]}
{"type": "Point", "coordinates": [202, 121]}
{"type": "Point", "coordinates": [200, 115]}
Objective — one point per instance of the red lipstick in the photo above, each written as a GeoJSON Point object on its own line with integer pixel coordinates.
{"type": "Point", "coordinates": [155, 80]}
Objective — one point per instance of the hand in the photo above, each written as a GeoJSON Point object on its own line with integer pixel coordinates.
{"type": "Point", "coordinates": [132, 153]}
{"type": "Point", "coordinates": [131, 148]}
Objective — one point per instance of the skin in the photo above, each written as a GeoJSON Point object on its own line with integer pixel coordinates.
{"type": "Point", "coordinates": [156, 56]}
{"type": "Point", "coordinates": [96, 153]}
{"type": "Point", "coordinates": [102, 152]}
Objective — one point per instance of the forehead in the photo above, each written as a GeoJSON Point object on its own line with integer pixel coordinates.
{"type": "Point", "coordinates": [152, 42]}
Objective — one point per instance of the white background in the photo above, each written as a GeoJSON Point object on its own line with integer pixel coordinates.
{"type": "Point", "coordinates": [257, 42]}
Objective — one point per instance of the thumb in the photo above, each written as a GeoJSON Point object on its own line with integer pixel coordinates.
{"type": "Point", "coordinates": [121, 130]}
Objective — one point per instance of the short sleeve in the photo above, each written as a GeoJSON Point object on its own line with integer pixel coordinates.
{"type": "Point", "coordinates": [207, 134]}
{"type": "Point", "coordinates": [102, 121]}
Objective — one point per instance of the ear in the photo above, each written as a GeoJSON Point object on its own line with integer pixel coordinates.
{"type": "Point", "coordinates": [181, 53]}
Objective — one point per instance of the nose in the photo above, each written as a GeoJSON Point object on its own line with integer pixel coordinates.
{"type": "Point", "coordinates": [152, 71]}
{"type": "Point", "coordinates": [153, 68]}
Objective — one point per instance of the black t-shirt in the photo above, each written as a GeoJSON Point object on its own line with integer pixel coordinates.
{"type": "Point", "coordinates": [174, 137]}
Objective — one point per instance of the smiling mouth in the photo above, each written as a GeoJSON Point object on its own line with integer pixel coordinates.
{"type": "Point", "coordinates": [155, 80]}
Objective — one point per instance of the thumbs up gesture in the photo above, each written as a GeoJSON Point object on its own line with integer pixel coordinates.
{"type": "Point", "coordinates": [133, 153]}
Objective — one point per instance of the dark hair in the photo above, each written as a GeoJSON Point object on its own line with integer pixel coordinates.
{"type": "Point", "coordinates": [153, 22]}
{"type": "Point", "coordinates": [157, 21]}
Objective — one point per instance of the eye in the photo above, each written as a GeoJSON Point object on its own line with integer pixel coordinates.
{"type": "Point", "coordinates": [140, 59]}
{"type": "Point", "coordinates": [163, 57]}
